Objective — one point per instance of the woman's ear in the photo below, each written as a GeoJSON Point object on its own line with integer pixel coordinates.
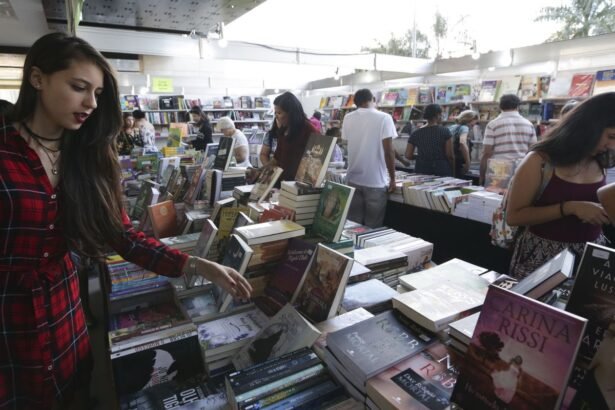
{"type": "Point", "coordinates": [36, 78]}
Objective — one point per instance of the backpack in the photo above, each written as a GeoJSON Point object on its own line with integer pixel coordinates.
{"type": "Point", "coordinates": [503, 235]}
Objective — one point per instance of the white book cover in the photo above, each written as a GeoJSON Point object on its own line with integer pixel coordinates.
{"type": "Point", "coordinates": [454, 270]}
{"type": "Point", "coordinates": [285, 332]}
{"type": "Point", "coordinates": [228, 331]}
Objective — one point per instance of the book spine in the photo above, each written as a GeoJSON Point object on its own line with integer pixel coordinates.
{"type": "Point", "coordinates": [115, 352]}
{"type": "Point", "coordinates": [283, 394]}
{"type": "Point", "coordinates": [254, 371]}
{"type": "Point", "coordinates": [276, 373]}
{"type": "Point", "coordinates": [306, 398]}
{"type": "Point", "coordinates": [282, 383]}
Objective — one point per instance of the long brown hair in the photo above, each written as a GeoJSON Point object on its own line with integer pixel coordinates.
{"type": "Point", "coordinates": [91, 206]}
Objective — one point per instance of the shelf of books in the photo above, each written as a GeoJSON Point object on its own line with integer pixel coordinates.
{"type": "Point", "coordinates": [343, 316]}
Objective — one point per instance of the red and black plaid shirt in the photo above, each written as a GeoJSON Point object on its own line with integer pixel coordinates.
{"type": "Point", "coordinates": [44, 342]}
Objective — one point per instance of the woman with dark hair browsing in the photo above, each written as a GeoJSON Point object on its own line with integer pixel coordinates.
{"type": "Point", "coordinates": [566, 214]}
{"type": "Point", "coordinates": [205, 131]}
{"type": "Point", "coordinates": [60, 191]}
{"type": "Point", "coordinates": [291, 129]}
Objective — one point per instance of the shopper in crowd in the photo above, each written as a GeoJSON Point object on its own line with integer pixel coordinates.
{"type": "Point", "coordinates": [337, 155]}
{"type": "Point", "coordinates": [60, 192]}
{"type": "Point", "coordinates": [129, 136]}
{"type": "Point", "coordinates": [508, 136]}
{"type": "Point", "coordinates": [371, 159]}
{"type": "Point", "coordinates": [315, 120]}
{"type": "Point", "coordinates": [434, 144]}
{"type": "Point", "coordinates": [567, 213]}
{"type": "Point", "coordinates": [205, 131]}
{"type": "Point", "coordinates": [242, 148]}
{"type": "Point", "coordinates": [461, 145]}
{"type": "Point", "coordinates": [146, 130]}
{"type": "Point", "coordinates": [287, 137]}
{"type": "Point", "coordinates": [568, 107]}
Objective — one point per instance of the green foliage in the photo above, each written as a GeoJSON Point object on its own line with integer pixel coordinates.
{"type": "Point", "coordinates": [402, 46]}
{"type": "Point", "coordinates": [582, 18]}
{"type": "Point", "coordinates": [440, 28]}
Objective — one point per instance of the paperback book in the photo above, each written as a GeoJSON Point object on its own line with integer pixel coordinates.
{"type": "Point", "coordinates": [266, 180]}
{"type": "Point", "coordinates": [288, 330]}
{"type": "Point", "coordinates": [521, 354]}
{"type": "Point", "coordinates": [224, 154]}
{"type": "Point", "coordinates": [313, 166]}
{"type": "Point", "coordinates": [321, 289]}
{"type": "Point", "coordinates": [332, 210]}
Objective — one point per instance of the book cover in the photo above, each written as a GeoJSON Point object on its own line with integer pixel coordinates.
{"type": "Point", "coordinates": [129, 102]}
{"type": "Point", "coordinates": [332, 210]}
{"type": "Point", "coordinates": [367, 294]}
{"type": "Point", "coordinates": [592, 297]}
{"type": "Point", "coordinates": [174, 394]}
{"type": "Point", "coordinates": [286, 276]}
{"type": "Point", "coordinates": [336, 323]}
{"type": "Point", "coordinates": [270, 231]}
{"type": "Point", "coordinates": [543, 86]}
{"type": "Point", "coordinates": [266, 180]}
{"type": "Point", "coordinates": [424, 381]}
{"type": "Point", "coordinates": [413, 96]}
{"type": "Point", "coordinates": [528, 88]}
{"type": "Point", "coordinates": [375, 344]}
{"type": "Point", "coordinates": [454, 270]}
{"type": "Point", "coordinates": [389, 98]}
{"type": "Point", "coordinates": [462, 92]}
{"type": "Point", "coordinates": [237, 256]}
{"type": "Point", "coordinates": [508, 85]}
{"type": "Point", "coordinates": [605, 82]}
{"type": "Point", "coordinates": [488, 91]}
{"type": "Point", "coordinates": [316, 157]}
{"type": "Point", "coordinates": [144, 319]}
{"type": "Point", "coordinates": [141, 369]}
{"type": "Point", "coordinates": [521, 354]}
{"type": "Point", "coordinates": [230, 332]}
{"type": "Point", "coordinates": [203, 302]}
{"type": "Point", "coordinates": [437, 306]}
{"type": "Point", "coordinates": [320, 292]}
{"type": "Point", "coordinates": [224, 153]}
{"type": "Point", "coordinates": [498, 174]}
{"type": "Point", "coordinates": [553, 272]}
{"type": "Point", "coordinates": [206, 239]}
{"type": "Point", "coordinates": [425, 95]}
{"type": "Point", "coordinates": [463, 329]}
{"type": "Point", "coordinates": [581, 85]}
{"type": "Point", "coordinates": [163, 218]}
{"type": "Point", "coordinates": [283, 333]}
{"type": "Point", "coordinates": [298, 189]}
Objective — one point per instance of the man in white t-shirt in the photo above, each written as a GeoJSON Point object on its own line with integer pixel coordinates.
{"type": "Point", "coordinates": [371, 159]}
{"type": "Point", "coordinates": [242, 148]}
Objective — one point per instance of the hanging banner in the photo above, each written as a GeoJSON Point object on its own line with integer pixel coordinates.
{"type": "Point", "coordinates": [162, 85]}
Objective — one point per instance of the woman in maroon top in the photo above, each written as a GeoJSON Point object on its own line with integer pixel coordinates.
{"type": "Point", "coordinates": [60, 190]}
{"type": "Point", "coordinates": [292, 129]}
{"type": "Point", "coordinates": [568, 212]}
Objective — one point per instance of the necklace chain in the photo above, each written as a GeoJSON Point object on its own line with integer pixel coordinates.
{"type": "Point", "coordinates": [38, 139]}
{"type": "Point", "coordinates": [48, 151]}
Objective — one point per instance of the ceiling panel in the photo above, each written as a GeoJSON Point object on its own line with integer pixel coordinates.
{"type": "Point", "coordinates": [157, 15]}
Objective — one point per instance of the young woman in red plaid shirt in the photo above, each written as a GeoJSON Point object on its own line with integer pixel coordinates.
{"type": "Point", "coordinates": [60, 190]}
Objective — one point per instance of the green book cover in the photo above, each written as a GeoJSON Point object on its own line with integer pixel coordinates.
{"type": "Point", "coordinates": [332, 210]}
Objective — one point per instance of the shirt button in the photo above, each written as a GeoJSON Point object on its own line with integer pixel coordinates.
{"type": "Point", "coordinates": [53, 196]}
{"type": "Point", "coordinates": [51, 226]}
{"type": "Point", "coordinates": [46, 254]}
{"type": "Point", "coordinates": [50, 367]}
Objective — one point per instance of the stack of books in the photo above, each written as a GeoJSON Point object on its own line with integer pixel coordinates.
{"type": "Point", "coordinates": [363, 350]}
{"type": "Point", "coordinates": [301, 198]}
{"type": "Point", "coordinates": [384, 263]}
{"type": "Point", "coordinates": [128, 279]}
{"type": "Point", "coordinates": [433, 192]}
{"type": "Point", "coordinates": [373, 295]}
{"type": "Point", "coordinates": [223, 337]}
{"type": "Point", "coordinates": [297, 379]}
{"type": "Point", "coordinates": [479, 206]}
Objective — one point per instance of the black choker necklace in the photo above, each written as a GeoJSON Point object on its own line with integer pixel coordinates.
{"type": "Point", "coordinates": [38, 137]}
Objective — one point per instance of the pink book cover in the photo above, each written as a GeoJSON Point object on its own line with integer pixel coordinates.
{"type": "Point", "coordinates": [581, 85]}
{"type": "Point", "coordinates": [521, 354]}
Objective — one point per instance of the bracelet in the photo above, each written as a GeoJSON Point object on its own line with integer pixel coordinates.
{"type": "Point", "coordinates": [192, 264]}
{"type": "Point", "coordinates": [561, 209]}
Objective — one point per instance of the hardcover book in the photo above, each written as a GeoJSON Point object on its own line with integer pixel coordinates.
{"type": "Point", "coordinates": [521, 354]}
{"type": "Point", "coordinates": [266, 180]}
{"type": "Point", "coordinates": [321, 289]}
{"type": "Point", "coordinates": [332, 210]}
{"type": "Point", "coordinates": [424, 381]}
{"type": "Point", "coordinates": [593, 297]}
{"type": "Point", "coordinates": [288, 330]}
{"type": "Point", "coordinates": [225, 153]}
{"type": "Point", "coordinates": [555, 271]}
{"type": "Point", "coordinates": [315, 161]}
{"type": "Point", "coordinates": [373, 345]}
{"type": "Point", "coordinates": [286, 276]}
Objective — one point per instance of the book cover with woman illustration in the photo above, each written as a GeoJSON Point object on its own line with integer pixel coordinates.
{"type": "Point", "coordinates": [332, 210]}
{"type": "Point", "coordinates": [521, 354]}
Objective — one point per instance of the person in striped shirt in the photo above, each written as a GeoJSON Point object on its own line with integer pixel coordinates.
{"type": "Point", "coordinates": [509, 136]}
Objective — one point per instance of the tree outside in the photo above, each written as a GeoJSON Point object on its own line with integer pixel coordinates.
{"type": "Point", "coordinates": [581, 18]}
